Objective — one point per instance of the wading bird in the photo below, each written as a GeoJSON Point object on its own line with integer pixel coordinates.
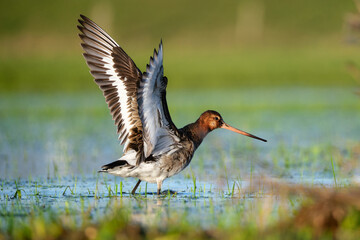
{"type": "Point", "coordinates": [154, 148]}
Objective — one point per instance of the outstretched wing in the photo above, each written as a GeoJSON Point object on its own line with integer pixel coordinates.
{"type": "Point", "coordinates": [117, 76]}
{"type": "Point", "coordinates": [159, 132]}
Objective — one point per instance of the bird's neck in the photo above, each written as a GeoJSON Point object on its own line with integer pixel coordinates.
{"type": "Point", "coordinates": [196, 132]}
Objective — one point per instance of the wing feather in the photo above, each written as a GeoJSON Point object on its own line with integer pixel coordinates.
{"type": "Point", "coordinates": [118, 77]}
{"type": "Point", "coordinates": [159, 132]}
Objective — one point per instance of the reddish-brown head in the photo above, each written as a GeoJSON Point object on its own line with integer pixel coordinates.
{"type": "Point", "coordinates": [211, 120]}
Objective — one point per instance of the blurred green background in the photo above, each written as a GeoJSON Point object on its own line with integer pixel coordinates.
{"type": "Point", "coordinates": [207, 44]}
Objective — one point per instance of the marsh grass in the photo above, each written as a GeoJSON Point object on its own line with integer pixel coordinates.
{"type": "Point", "coordinates": [306, 213]}
{"type": "Point", "coordinates": [333, 170]}
{"type": "Point", "coordinates": [324, 211]}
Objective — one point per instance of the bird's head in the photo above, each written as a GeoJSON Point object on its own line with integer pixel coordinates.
{"type": "Point", "coordinates": [212, 120]}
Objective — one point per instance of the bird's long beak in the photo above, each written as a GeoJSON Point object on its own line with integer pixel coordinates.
{"type": "Point", "coordinates": [228, 127]}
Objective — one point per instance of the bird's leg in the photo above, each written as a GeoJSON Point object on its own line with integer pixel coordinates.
{"type": "Point", "coordinates": [136, 186]}
{"type": "Point", "coordinates": [159, 183]}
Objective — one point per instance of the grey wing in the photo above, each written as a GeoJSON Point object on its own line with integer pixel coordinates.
{"type": "Point", "coordinates": [117, 76]}
{"type": "Point", "coordinates": [159, 132]}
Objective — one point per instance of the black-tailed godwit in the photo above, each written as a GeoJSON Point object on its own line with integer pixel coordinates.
{"type": "Point", "coordinates": [154, 148]}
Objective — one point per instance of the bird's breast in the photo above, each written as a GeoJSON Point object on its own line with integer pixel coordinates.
{"type": "Point", "coordinates": [175, 161]}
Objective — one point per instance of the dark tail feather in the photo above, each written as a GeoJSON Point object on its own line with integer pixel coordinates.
{"type": "Point", "coordinates": [118, 163]}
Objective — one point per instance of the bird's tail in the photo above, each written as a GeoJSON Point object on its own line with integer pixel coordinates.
{"type": "Point", "coordinates": [113, 165]}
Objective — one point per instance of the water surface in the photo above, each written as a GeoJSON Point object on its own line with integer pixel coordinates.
{"type": "Point", "coordinates": [51, 147]}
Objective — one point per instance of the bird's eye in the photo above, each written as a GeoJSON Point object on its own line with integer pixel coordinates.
{"type": "Point", "coordinates": [217, 118]}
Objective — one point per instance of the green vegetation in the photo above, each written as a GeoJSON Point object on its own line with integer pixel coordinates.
{"type": "Point", "coordinates": [207, 44]}
{"type": "Point", "coordinates": [318, 67]}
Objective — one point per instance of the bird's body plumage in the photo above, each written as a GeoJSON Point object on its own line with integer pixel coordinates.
{"type": "Point", "coordinates": [154, 148]}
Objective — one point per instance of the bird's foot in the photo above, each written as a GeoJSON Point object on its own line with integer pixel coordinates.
{"type": "Point", "coordinates": [165, 192]}
{"type": "Point", "coordinates": [159, 193]}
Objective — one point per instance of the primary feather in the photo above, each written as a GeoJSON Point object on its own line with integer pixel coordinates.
{"type": "Point", "coordinates": [136, 101]}
{"type": "Point", "coordinates": [117, 76]}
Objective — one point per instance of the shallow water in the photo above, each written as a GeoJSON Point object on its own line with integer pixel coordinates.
{"type": "Point", "coordinates": [51, 147]}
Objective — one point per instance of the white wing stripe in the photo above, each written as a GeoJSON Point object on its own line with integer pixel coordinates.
{"type": "Point", "coordinates": [124, 108]}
